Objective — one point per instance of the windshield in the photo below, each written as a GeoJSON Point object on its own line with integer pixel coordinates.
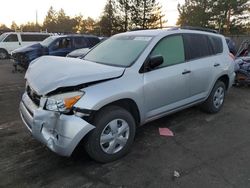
{"type": "Point", "coordinates": [3, 36]}
{"type": "Point", "coordinates": [48, 41]}
{"type": "Point", "coordinates": [119, 51]}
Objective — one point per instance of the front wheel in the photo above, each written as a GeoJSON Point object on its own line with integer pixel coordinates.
{"type": "Point", "coordinates": [216, 98]}
{"type": "Point", "coordinates": [113, 135]}
{"type": "Point", "coordinates": [3, 54]}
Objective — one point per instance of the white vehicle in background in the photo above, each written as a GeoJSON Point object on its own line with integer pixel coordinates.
{"type": "Point", "coordinates": [12, 40]}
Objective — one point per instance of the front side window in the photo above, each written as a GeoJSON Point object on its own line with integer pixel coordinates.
{"type": "Point", "coordinates": [171, 49]}
{"type": "Point", "coordinates": [64, 43]}
{"type": "Point", "coordinates": [11, 38]}
{"type": "Point", "coordinates": [119, 50]}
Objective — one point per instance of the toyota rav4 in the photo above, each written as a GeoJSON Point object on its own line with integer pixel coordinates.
{"type": "Point", "coordinates": [128, 80]}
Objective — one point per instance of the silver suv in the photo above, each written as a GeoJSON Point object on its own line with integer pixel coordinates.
{"type": "Point", "coordinates": [126, 81]}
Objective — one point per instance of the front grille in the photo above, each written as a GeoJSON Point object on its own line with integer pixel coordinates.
{"type": "Point", "coordinates": [33, 96]}
{"type": "Point", "coordinates": [21, 59]}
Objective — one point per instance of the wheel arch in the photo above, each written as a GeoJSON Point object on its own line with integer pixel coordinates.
{"type": "Point", "coordinates": [225, 79]}
{"type": "Point", "coordinates": [3, 49]}
{"type": "Point", "coordinates": [129, 105]}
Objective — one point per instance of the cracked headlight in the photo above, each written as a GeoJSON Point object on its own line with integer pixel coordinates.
{"type": "Point", "coordinates": [63, 102]}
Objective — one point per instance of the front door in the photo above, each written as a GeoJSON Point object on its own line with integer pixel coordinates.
{"type": "Point", "coordinates": [167, 86]}
{"type": "Point", "coordinates": [61, 47]}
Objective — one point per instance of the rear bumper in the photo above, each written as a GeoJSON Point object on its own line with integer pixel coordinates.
{"type": "Point", "coordinates": [61, 133]}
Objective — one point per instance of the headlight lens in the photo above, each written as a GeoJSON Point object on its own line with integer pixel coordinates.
{"type": "Point", "coordinates": [63, 102]}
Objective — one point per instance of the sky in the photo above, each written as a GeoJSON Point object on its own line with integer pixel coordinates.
{"type": "Point", "coordinates": [22, 11]}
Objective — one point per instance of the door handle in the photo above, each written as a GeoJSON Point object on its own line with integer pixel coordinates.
{"type": "Point", "coordinates": [216, 64]}
{"type": "Point", "coordinates": [186, 72]}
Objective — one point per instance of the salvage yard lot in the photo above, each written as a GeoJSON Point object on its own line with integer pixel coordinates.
{"type": "Point", "coordinates": [207, 150]}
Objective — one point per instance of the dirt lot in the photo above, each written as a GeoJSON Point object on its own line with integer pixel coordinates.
{"type": "Point", "coordinates": [207, 150]}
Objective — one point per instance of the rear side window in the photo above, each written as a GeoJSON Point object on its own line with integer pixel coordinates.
{"type": "Point", "coordinates": [93, 41]}
{"type": "Point", "coordinates": [30, 37]}
{"type": "Point", "coordinates": [197, 46]}
{"type": "Point", "coordinates": [216, 43]}
{"type": "Point", "coordinates": [80, 42]}
{"type": "Point", "coordinates": [11, 38]}
{"type": "Point", "coordinates": [171, 49]}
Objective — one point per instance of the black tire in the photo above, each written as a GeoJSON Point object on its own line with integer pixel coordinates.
{"type": "Point", "coordinates": [101, 121]}
{"type": "Point", "coordinates": [209, 105]}
{"type": "Point", "coordinates": [3, 54]}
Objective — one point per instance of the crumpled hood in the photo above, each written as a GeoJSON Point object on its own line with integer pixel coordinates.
{"type": "Point", "coordinates": [25, 49]}
{"type": "Point", "coordinates": [48, 73]}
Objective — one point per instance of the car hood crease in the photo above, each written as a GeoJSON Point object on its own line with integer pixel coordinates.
{"type": "Point", "coordinates": [49, 73]}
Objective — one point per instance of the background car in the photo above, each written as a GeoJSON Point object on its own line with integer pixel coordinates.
{"type": "Point", "coordinates": [231, 45]}
{"type": "Point", "coordinates": [12, 40]}
{"type": "Point", "coordinates": [54, 45]}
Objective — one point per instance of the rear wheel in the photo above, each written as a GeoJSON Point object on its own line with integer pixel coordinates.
{"type": "Point", "coordinates": [113, 135]}
{"type": "Point", "coordinates": [216, 98]}
{"type": "Point", "coordinates": [3, 54]}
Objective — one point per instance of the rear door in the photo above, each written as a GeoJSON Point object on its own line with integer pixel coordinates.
{"type": "Point", "coordinates": [80, 42]}
{"type": "Point", "coordinates": [199, 56]}
{"type": "Point", "coordinates": [166, 87]}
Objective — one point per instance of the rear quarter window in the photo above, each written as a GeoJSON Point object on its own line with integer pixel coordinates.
{"type": "Point", "coordinates": [216, 43]}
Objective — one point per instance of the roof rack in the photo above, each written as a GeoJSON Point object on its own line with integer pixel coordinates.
{"type": "Point", "coordinates": [199, 29]}
{"type": "Point", "coordinates": [177, 27]}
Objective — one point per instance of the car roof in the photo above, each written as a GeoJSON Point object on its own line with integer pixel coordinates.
{"type": "Point", "coordinates": [29, 33]}
{"type": "Point", "coordinates": [156, 32]}
{"type": "Point", "coordinates": [77, 35]}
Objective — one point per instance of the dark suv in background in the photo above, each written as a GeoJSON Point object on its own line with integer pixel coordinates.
{"type": "Point", "coordinates": [54, 45]}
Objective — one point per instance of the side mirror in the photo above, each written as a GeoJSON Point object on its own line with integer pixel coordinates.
{"type": "Point", "coordinates": [153, 62]}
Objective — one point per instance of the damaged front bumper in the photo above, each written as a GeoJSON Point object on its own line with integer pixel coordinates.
{"type": "Point", "coordinates": [61, 133]}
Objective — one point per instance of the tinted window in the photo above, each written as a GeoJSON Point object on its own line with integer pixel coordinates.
{"type": "Point", "coordinates": [80, 42]}
{"type": "Point", "coordinates": [172, 50]}
{"type": "Point", "coordinates": [197, 46]}
{"type": "Point", "coordinates": [62, 44]}
{"type": "Point", "coordinates": [11, 38]}
{"type": "Point", "coordinates": [216, 43]}
{"type": "Point", "coordinates": [30, 37]}
{"type": "Point", "coordinates": [93, 41]}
